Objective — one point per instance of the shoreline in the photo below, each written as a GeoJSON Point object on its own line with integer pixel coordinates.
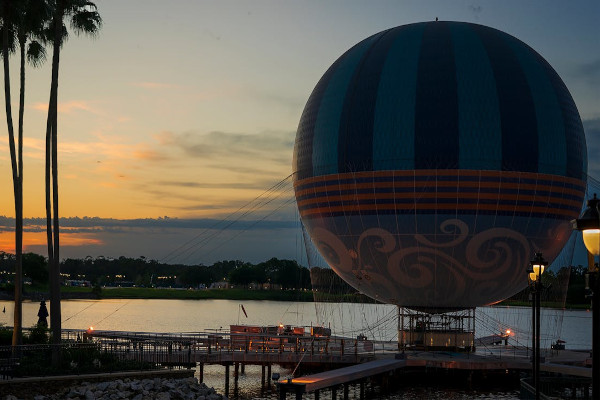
{"type": "Point", "coordinates": [76, 293]}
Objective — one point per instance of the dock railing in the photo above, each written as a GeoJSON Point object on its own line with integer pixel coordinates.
{"type": "Point", "coordinates": [188, 348]}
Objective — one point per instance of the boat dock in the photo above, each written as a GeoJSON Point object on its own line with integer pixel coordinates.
{"type": "Point", "coordinates": [352, 363]}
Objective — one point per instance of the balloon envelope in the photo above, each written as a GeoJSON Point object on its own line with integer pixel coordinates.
{"type": "Point", "coordinates": [433, 159]}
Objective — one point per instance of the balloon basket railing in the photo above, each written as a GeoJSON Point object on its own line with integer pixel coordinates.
{"type": "Point", "coordinates": [421, 330]}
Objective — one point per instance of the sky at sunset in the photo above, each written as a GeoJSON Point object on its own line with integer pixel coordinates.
{"type": "Point", "coordinates": [181, 112]}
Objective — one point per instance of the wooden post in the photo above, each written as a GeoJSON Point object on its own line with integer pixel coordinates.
{"type": "Point", "coordinates": [262, 377]}
{"type": "Point", "coordinates": [334, 393]}
{"type": "Point", "coordinates": [317, 395]}
{"type": "Point", "coordinates": [243, 369]}
{"type": "Point", "coordinates": [201, 372]}
{"type": "Point", "coordinates": [269, 376]}
{"type": "Point", "coordinates": [226, 380]}
{"type": "Point", "coordinates": [362, 389]}
{"type": "Point", "coordinates": [236, 375]}
{"type": "Point", "coordinates": [346, 386]}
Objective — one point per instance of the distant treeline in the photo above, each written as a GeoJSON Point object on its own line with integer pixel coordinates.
{"type": "Point", "coordinates": [566, 286]}
{"type": "Point", "coordinates": [284, 274]}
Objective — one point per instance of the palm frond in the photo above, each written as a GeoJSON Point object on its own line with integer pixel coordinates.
{"type": "Point", "coordinates": [36, 53]}
{"type": "Point", "coordinates": [86, 21]}
{"type": "Point", "coordinates": [48, 34]}
{"type": "Point", "coordinates": [12, 40]}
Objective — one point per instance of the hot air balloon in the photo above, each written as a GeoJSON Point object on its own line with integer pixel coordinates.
{"type": "Point", "coordinates": [433, 159]}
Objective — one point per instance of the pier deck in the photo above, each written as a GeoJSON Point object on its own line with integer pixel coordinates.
{"type": "Point", "coordinates": [341, 376]}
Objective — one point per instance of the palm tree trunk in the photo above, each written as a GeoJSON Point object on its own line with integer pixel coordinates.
{"type": "Point", "coordinates": [52, 162]}
{"type": "Point", "coordinates": [18, 315]}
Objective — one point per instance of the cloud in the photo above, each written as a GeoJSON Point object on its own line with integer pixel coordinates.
{"type": "Point", "coordinates": [592, 134]}
{"type": "Point", "coordinates": [258, 184]}
{"type": "Point", "coordinates": [476, 10]}
{"type": "Point", "coordinates": [590, 72]}
{"type": "Point", "coordinates": [216, 144]}
{"type": "Point", "coordinates": [67, 108]}
{"type": "Point", "coordinates": [73, 225]}
{"type": "Point", "coordinates": [150, 155]}
{"type": "Point", "coordinates": [155, 85]}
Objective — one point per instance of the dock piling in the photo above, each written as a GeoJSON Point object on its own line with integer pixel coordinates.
{"type": "Point", "coordinates": [226, 380]}
{"type": "Point", "coordinates": [269, 376]}
{"type": "Point", "coordinates": [236, 375]}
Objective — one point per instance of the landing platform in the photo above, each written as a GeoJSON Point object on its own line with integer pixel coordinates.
{"type": "Point", "coordinates": [340, 376]}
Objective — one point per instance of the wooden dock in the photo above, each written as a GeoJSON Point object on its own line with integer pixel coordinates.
{"type": "Point", "coordinates": [342, 376]}
{"type": "Point", "coordinates": [358, 361]}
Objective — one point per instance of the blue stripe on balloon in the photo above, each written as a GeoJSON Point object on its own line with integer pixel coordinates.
{"type": "Point", "coordinates": [325, 139]}
{"type": "Point", "coordinates": [480, 139]}
{"type": "Point", "coordinates": [551, 128]}
{"type": "Point", "coordinates": [355, 148]}
{"type": "Point", "coordinates": [517, 113]}
{"type": "Point", "coordinates": [436, 105]}
{"type": "Point", "coordinates": [574, 134]}
{"type": "Point", "coordinates": [394, 124]}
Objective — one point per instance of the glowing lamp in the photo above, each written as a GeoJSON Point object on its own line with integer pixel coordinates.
{"type": "Point", "coordinates": [589, 225]}
{"type": "Point", "coordinates": [591, 239]}
{"type": "Point", "coordinates": [537, 267]}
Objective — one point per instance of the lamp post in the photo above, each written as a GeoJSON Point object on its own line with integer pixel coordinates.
{"type": "Point", "coordinates": [535, 271]}
{"type": "Point", "coordinates": [589, 225]}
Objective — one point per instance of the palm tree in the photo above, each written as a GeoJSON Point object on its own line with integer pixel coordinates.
{"type": "Point", "coordinates": [8, 47]}
{"type": "Point", "coordinates": [84, 18]}
{"type": "Point", "coordinates": [23, 21]}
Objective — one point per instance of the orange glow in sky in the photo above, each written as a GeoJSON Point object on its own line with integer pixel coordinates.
{"type": "Point", "coordinates": [7, 240]}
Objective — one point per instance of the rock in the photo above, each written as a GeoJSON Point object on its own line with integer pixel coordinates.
{"type": "Point", "coordinates": [136, 389]}
{"type": "Point", "coordinates": [163, 396]}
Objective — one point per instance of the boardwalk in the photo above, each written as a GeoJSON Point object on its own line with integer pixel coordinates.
{"type": "Point", "coordinates": [223, 347]}
{"type": "Point", "coordinates": [357, 361]}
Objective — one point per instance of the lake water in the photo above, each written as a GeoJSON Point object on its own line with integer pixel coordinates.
{"type": "Point", "coordinates": [377, 322]}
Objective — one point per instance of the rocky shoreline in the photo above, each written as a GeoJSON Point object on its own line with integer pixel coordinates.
{"type": "Point", "coordinates": [135, 389]}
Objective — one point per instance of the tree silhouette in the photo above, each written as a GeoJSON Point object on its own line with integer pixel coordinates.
{"type": "Point", "coordinates": [84, 18]}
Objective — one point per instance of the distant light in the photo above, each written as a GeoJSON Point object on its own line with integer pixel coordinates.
{"type": "Point", "coordinates": [508, 331]}
{"type": "Point", "coordinates": [91, 329]}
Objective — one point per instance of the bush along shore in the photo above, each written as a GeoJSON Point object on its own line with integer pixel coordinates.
{"type": "Point", "coordinates": [135, 389]}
